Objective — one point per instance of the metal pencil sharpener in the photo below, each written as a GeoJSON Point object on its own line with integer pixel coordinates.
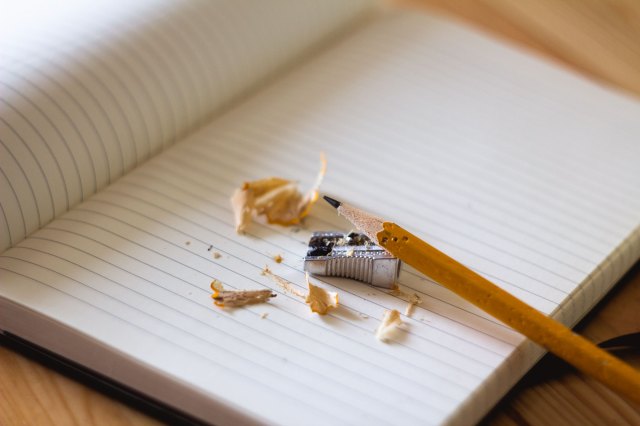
{"type": "Point", "coordinates": [351, 255]}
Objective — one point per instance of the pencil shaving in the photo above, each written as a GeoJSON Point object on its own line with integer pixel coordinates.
{"type": "Point", "coordinates": [388, 326]}
{"type": "Point", "coordinates": [236, 298]}
{"type": "Point", "coordinates": [242, 204]}
{"type": "Point", "coordinates": [411, 299]}
{"type": "Point", "coordinates": [216, 285]}
{"type": "Point", "coordinates": [278, 199]}
{"type": "Point", "coordinates": [284, 284]}
{"type": "Point", "coordinates": [320, 300]}
{"type": "Point", "coordinates": [414, 300]}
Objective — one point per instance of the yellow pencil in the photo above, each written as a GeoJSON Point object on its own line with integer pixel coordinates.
{"type": "Point", "coordinates": [550, 334]}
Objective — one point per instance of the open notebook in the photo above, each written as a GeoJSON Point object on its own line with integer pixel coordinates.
{"type": "Point", "coordinates": [524, 172]}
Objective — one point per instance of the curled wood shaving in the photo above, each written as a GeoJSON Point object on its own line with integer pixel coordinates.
{"type": "Point", "coordinates": [284, 284]}
{"type": "Point", "coordinates": [319, 299]}
{"type": "Point", "coordinates": [408, 311]}
{"type": "Point", "coordinates": [216, 285]}
{"type": "Point", "coordinates": [414, 300]}
{"type": "Point", "coordinates": [242, 203]}
{"type": "Point", "coordinates": [388, 326]}
{"type": "Point", "coordinates": [278, 199]}
{"type": "Point", "coordinates": [235, 298]}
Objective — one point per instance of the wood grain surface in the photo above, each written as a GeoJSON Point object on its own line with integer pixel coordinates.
{"type": "Point", "coordinates": [599, 39]}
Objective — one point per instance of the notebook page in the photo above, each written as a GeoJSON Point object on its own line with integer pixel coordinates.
{"type": "Point", "coordinates": [92, 89]}
{"type": "Point", "coordinates": [511, 166]}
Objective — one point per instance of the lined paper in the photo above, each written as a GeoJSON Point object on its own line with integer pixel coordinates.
{"type": "Point", "coordinates": [495, 158]}
{"type": "Point", "coordinates": [91, 90]}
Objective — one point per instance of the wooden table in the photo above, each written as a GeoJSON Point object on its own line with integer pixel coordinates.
{"type": "Point", "coordinates": [600, 39]}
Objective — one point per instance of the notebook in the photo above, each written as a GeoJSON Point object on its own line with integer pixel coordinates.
{"type": "Point", "coordinates": [125, 129]}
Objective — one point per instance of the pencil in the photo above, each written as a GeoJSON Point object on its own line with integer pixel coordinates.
{"type": "Point", "coordinates": [543, 330]}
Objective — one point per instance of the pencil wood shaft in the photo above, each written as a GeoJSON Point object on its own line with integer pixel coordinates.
{"type": "Point", "coordinates": [545, 331]}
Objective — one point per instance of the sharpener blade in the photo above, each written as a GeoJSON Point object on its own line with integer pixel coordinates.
{"type": "Point", "coordinates": [351, 255]}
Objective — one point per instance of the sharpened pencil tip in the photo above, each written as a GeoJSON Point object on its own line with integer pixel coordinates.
{"type": "Point", "coordinates": [334, 203]}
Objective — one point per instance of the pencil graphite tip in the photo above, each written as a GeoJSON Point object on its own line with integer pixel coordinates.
{"type": "Point", "coordinates": [334, 203]}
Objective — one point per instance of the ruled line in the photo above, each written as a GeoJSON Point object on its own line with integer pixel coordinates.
{"type": "Point", "coordinates": [346, 62]}
{"type": "Point", "coordinates": [258, 268]}
{"type": "Point", "coordinates": [544, 223]}
{"type": "Point", "coordinates": [241, 155]}
{"type": "Point", "coordinates": [51, 153]}
{"type": "Point", "coordinates": [359, 360]}
{"type": "Point", "coordinates": [126, 85]}
{"type": "Point", "coordinates": [335, 130]}
{"type": "Point", "coordinates": [4, 215]}
{"type": "Point", "coordinates": [136, 326]}
{"type": "Point", "coordinates": [211, 217]}
{"type": "Point", "coordinates": [370, 194]}
{"type": "Point", "coordinates": [217, 190]}
{"type": "Point", "coordinates": [32, 194]}
{"type": "Point", "coordinates": [176, 156]}
{"type": "Point", "coordinates": [257, 352]}
{"type": "Point", "coordinates": [84, 144]}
